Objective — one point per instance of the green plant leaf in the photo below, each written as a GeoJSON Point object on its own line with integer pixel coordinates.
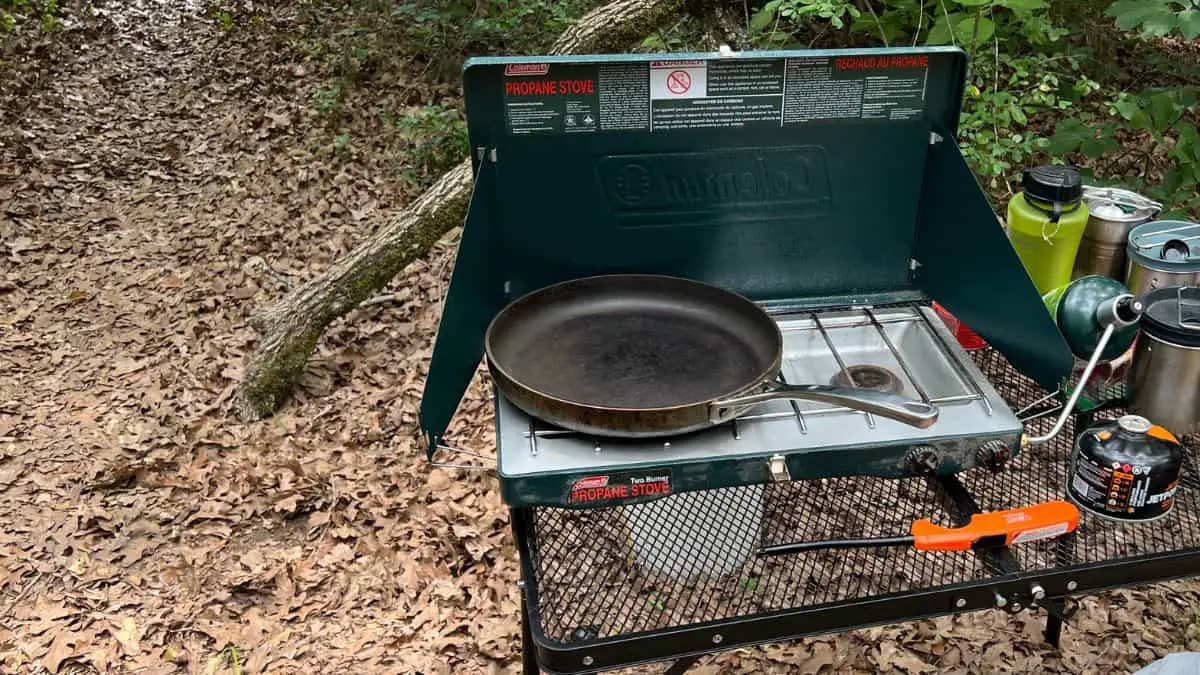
{"type": "Point", "coordinates": [1068, 136]}
{"type": "Point", "coordinates": [1097, 147]}
{"type": "Point", "coordinates": [940, 34]}
{"type": "Point", "coordinates": [1172, 180]}
{"type": "Point", "coordinates": [1155, 17]}
{"type": "Point", "coordinates": [1023, 5]}
{"type": "Point", "coordinates": [1162, 111]}
{"type": "Point", "coordinates": [1189, 23]}
{"type": "Point", "coordinates": [971, 3]}
{"type": "Point", "coordinates": [965, 30]}
{"type": "Point", "coordinates": [763, 17]}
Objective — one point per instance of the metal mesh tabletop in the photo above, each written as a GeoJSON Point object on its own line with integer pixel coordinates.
{"type": "Point", "coordinates": [688, 559]}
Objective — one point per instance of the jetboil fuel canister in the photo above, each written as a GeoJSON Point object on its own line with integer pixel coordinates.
{"type": "Point", "coordinates": [1125, 470]}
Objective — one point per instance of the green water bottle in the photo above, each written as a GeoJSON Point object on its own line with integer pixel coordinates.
{"type": "Point", "coordinates": [1046, 223]}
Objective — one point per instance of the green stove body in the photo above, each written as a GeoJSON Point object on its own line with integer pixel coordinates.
{"type": "Point", "coordinates": [825, 185]}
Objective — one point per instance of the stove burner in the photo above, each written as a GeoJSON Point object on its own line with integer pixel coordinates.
{"type": "Point", "coordinates": [865, 376]}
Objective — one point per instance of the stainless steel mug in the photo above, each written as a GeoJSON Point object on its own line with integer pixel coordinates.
{"type": "Point", "coordinates": [1112, 213]}
{"type": "Point", "coordinates": [1164, 380]}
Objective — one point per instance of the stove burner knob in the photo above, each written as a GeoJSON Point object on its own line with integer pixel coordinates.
{"type": "Point", "coordinates": [993, 455]}
{"type": "Point", "coordinates": [922, 460]}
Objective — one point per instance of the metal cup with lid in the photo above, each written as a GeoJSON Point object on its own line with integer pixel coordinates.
{"type": "Point", "coordinates": [1165, 377]}
{"type": "Point", "coordinates": [1163, 254]}
{"type": "Point", "coordinates": [1112, 213]}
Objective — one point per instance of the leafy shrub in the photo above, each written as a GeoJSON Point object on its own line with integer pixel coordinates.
{"type": "Point", "coordinates": [993, 128]}
{"type": "Point", "coordinates": [436, 139]}
{"type": "Point", "coordinates": [1167, 116]}
{"type": "Point", "coordinates": [1156, 18]}
{"type": "Point", "coordinates": [43, 15]}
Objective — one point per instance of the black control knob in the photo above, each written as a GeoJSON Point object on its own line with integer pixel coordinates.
{"type": "Point", "coordinates": [922, 460]}
{"type": "Point", "coordinates": [993, 455]}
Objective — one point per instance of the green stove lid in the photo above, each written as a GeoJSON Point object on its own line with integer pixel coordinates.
{"type": "Point", "coordinates": [776, 174]}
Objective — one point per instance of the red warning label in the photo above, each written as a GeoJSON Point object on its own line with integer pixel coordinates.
{"type": "Point", "coordinates": [549, 87]}
{"type": "Point", "coordinates": [618, 488]}
{"type": "Point", "coordinates": [678, 81]}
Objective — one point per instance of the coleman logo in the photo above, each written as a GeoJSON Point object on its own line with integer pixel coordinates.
{"type": "Point", "coordinates": [595, 490]}
{"type": "Point", "coordinates": [526, 69]}
{"type": "Point", "coordinates": [693, 187]}
{"type": "Point", "coordinates": [758, 182]}
{"type": "Point", "coordinates": [591, 482]}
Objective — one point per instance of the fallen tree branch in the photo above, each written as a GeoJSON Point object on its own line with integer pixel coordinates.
{"type": "Point", "coordinates": [290, 330]}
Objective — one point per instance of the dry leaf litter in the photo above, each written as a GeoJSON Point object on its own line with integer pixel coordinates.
{"type": "Point", "coordinates": [159, 179]}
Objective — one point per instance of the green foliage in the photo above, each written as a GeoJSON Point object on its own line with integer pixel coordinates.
{"type": "Point", "coordinates": [1018, 89]}
{"type": "Point", "coordinates": [1145, 140]}
{"type": "Point", "coordinates": [223, 19]}
{"type": "Point", "coordinates": [435, 138]}
{"type": "Point", "coordinates": [974, 23]}
{"type": "Point", "coordinates": [36, 15]}
{"type": "Point", "coordinates": [447, 30]}
{"type": "Point", "coordinates": [968, 23]}
{"type": "Point", "coordinates": [1155, 18]}
{"type": "Point", "coordinates": [1025, 78]}
{"type": "Point", "coordinates": [837, 12]}
{"type": "Point", "coordinates": [1005, 91]}
{"type": "Point", "coordinates": [327, 99]}
{"type": "Point", "coordinates": [1167, 117]}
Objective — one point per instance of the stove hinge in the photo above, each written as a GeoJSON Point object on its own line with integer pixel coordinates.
{"type": "Point", "coordinates": [486, 154]}
{"type": "Point", "coordinates": [777, 469]}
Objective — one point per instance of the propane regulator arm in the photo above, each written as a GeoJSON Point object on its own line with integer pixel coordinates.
{"type": "Point", "coordinates": [1123, 311]}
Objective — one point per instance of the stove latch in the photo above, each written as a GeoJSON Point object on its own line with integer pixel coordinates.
{"type": "Point", "coordinates": [778, 469]}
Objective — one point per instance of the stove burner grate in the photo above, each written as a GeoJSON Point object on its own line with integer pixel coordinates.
{"type": "Point", "coordinates": [868, 376]}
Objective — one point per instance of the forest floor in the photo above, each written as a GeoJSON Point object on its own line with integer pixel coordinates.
{"type": "Point", "coordinates": [159, 179]}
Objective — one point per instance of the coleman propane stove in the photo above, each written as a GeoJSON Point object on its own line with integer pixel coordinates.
{"type": "Point", "coordinates": [898, 348]}
{"type": "Point", "coordinates": [826, 188]}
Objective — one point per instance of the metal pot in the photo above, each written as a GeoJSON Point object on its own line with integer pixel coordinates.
{"type": "Point", "coordinates": [1112, 213]}
{"type": "Point", "coordinates": [1163, 254]}
{"type": "Point", "coordinates": [1165, 376]}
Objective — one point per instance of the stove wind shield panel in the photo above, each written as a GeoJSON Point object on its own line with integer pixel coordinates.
{"type": "Point", "coordinates": [811, 180]}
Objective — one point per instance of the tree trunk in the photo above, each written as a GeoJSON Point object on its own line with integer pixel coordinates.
{"type": "Point", "coordinates": [290, 330]}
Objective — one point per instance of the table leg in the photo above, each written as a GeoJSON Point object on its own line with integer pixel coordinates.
{"type": "Point", "coordinates": [529, 664]}
{"type": "Point", "coordinates": [1054, 621]}
{"type": "Point", "coordinates": [681, 665]}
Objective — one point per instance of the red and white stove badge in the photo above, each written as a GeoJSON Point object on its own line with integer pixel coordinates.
{"type": "Point", "coordinates": [518, 69]}
{"type": "Point", "coordinates": [616, 488]}
{"type": "Point", "coordinates": [590, 482]}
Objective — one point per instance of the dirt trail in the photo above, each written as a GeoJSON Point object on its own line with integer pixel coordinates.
{"type": "Point", "coordinates": [164, 180]}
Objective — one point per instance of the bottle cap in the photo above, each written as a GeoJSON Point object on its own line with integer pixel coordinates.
{"type": "Point", "coordinates": [1053, 183]}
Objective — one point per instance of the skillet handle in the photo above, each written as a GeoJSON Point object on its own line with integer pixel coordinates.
{"type": "Point", "coordinates": [885, 404]}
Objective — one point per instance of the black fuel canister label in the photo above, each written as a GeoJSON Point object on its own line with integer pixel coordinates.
{"type": "Point", "coordinates": [618, 488]}
{"type": "Point", "coordinates": [724, 93]}
{"type": "Point", "coordinates": [1127, 491]}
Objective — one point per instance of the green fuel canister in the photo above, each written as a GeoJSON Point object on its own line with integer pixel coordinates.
{"type": "Point", "coordinates": [1079, 310]}
{"type": "Point", "coordinates": [1046, 222]}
